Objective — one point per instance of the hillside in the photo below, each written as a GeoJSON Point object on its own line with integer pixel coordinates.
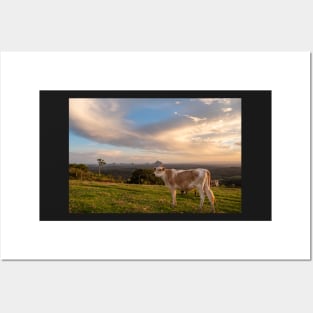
{"type": "Point", "coordinates": [97, 197]}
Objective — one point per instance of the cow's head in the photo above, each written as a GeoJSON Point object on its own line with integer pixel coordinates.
{"type": "Point", "coordinates": [159, 171]}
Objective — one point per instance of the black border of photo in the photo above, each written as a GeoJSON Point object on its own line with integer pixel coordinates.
{"type": "Point", "coordinates": [256, 155]}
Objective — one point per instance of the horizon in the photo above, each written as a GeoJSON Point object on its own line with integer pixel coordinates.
{"type": "Point", "coordinates": [164, 163]}
{"type": "Point", "coordinates": [138, 130]}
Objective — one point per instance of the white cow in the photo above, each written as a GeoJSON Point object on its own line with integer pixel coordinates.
{"type": "Point", "coordinates": [186, 180]}
{"type": "Point", "coordinates": [215, 183]}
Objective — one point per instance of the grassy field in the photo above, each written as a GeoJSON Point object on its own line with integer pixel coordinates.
{"type": "Point", "coordinates": [96, 197]}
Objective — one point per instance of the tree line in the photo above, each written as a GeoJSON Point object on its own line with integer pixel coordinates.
{"type": "Point", "coordinates": [145, 177]}
{"type": "Point", "coordinates": [138, 176]}
{"type": "Point", "coordinates": [81, 172]}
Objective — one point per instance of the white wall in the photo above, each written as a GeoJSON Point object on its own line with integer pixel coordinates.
{"type": "Point", "coordinates": [60, 286]}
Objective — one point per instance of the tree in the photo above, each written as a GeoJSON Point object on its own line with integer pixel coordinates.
{"type": "Point", "coordinates": [76, 170]}
{"type": "Point", "coordinates": [101, 163]}
{"type": "Point", "coordinates": [144, 176]}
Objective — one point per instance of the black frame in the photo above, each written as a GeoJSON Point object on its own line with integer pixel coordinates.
{"type": "Point", "coordinates": [256, 155]}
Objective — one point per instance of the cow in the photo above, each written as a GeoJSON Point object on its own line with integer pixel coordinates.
{"type": "Point", "coordinates": [215, 182]}
{"type": "Point", "coordinates": [186, 180]}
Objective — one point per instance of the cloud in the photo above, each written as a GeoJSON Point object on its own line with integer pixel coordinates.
{"type": "Point", "coordinates": [195, 118]}
{"type": "Point", "coordinates": [225, 110]}
{"type": "Point", "coordinates": [210, 101]}
{"type": "Point", "coordinates": [101, 121]}
{"type": "Point", "coordinates": [200, 131]}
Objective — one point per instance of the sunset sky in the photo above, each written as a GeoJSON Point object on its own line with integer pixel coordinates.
{"type": "Point", "coordinates": [140, 130]}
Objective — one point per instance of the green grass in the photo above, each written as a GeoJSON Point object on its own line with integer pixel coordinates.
{"type": "Point", "coordinates": [96, 197]}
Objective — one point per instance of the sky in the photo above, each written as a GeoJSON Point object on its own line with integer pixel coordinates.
{"type": "Point", "coordinates": [144, 130]}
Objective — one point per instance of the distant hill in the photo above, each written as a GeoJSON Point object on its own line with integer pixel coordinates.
{"type": "Point", "coordinates": [157, 163]}
{"type": "Point", "coordinates": [125, 170]}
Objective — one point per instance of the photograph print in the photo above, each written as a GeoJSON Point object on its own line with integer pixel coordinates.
{"type": "Point", "coordinates": [159, 156]}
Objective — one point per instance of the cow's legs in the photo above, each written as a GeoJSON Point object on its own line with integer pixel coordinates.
{"type": "Point", "coordinates": [173, 193]}
{"type": "Point", "coordinates": [211, 197]}
{"type": "Point", "coordinates": [202, 196]}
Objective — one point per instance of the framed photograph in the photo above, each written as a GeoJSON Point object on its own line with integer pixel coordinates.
{"type": "Point", "coordinates": [155, 156]}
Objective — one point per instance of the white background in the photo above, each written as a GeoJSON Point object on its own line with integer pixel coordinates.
{"type": "Point", "coordinates": [163, 286]}
{"type": "Point", "coordinates": [23, 236]}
